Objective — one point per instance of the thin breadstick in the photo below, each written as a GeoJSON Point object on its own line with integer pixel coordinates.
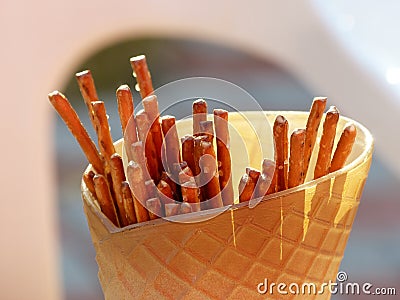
{"type": "Point", "coordinates": [104, 198]}
{"type": "Point", "coordinates": [188, 151]}
{"type": "Point", "coordinates": [153, 205]}
{"type": "Point", "coordinates": [88, 91]}
{"type": "Point", "coordinates": [103, 130]}
{"type": "Point", "coordinates": [125, 111]}
{"type": "Point", "coordinates": [281, 151]}
{"type": "Point", "coordinates": [143, 77]}
{"type": "Point", "coordinates": [71, 119]}
{"type": "Point", "coordinates": [223, 155]}
{"type": "Point", "coordinates": [343, 148]}
{"type": "Point", "coordinates": [209, 175]}
{"type": "Point", "coordinates": [314, 119]}
{"type": "Point", "coordinates": [266, 180]}
{"type": "Point", "coordinates": [326, 143]}
{"type": "Point", "coordinates": [296, 159]}
{"type": "Point", "coordinates": [136, 180]}
{"type": "Point", "coordinates": [118, 176]}
{"type": "Point", "coordinates": [185, 208]}
{"type": "Point", "coordinates": [150, 105]}
{"type": "Point", "coordinates": [165, 193]}
{"type": "Point", "coordinates": [172, 150]}
{"type": "Point", "coordinates": [199, 114]}
{"type": "Point", "coordinates": [145, 135]}
{"type": "Point", "coordinates": [128, 203]}
{"type": "Point", "coordinates": [172, 209]}
{"type": "Point", "coordinates": [88, 179]}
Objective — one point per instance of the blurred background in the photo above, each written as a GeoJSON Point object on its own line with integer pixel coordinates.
{"type": "Point", "coordinates": [282, 55]}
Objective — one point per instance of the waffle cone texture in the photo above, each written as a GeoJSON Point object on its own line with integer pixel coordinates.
{"type": "Point", "coordinates": [295, 236]}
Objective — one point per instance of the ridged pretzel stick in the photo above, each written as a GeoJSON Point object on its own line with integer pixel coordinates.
{"type": "Point", "coordinates": [281, 151]}
{"type": "Point", "coordinates": [145, 135]}
{"type": "Point", "coordinates": [153, 206]}
{"type": "Point", "coordinates": [199, 114]}
{"type": "Point", "coordinates": [296, 158]}
{"type": "Point", "coordinates": [88, 91]}
{"type": "Point", "coordinates": [143, 77]}
{"type": "Point", "coordinates": [266, 183]}
{"type": "Point", "coordinates": [223, 155]}
{"type": "Point", "coordinates": [343, 148]}
{"type": "Point", "coordinates": [71, 119]}
{"type": "Point", "coordinates": [326, 143]}
{"type": "Point", "coordinates": [104, 198]}
{"type": "Point", "coordinates": [128, 203]}
{"type": "Point", "coordinates": [188, 151]}
{"type": "Point", "coordinates": [150, 105]}
{"type": "Point", "coordinates": [313, 121]}
{"type": "Point", "coordinates": [172, 149]}
{"type": "Point", "coordinates": [118, 176]}
{"type": "Point", "coordinates": [125, 112]}
{"type": "Point", "coordinates": [139, 193]}
{"type": "Point", "coordinates": [88, 179]}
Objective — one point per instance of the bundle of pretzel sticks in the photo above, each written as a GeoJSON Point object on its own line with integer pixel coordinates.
{"type": "Point", "coordinates": [165, 175]}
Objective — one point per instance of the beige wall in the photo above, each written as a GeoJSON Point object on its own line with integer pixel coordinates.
{"type": "Point", "coordinates": [41, 44]}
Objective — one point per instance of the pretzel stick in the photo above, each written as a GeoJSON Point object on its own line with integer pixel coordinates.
{"type": "Point", "coordinates": [188, 151]}
{"type": "Point", "coordinates": [223, 155]}
{"type": "Point", "coordinates": [281, 151]}
{"type": "Point", "coordinates": [189, 189]}
{"type": "Point", "coordinates": [104, 198]}
{"type": "Point", "coordinates": [172, 150]}
{"type": "Point", "coordinates": [88, 179]}
{"type": "Point", "coordinates": [103, 130]}
{"type": "Point", "coordinates": [151, 188]}
{"type": "Point", "coordinates": [246, 188]}
{"type": "Point", "coordinates": [185, 208]}
{"type": "Point", "coordinates": [136, 180]}
{"type": "Point", "coordinates": [199, 114]}
{"type": "Point", "coordinates": [209, 175]}
{"type": "Point", "coordinates": [165, 193]}
{"type": "Point", "coordinates": [314, 119]}
{"type": "Point", "coordinates": [143, 77]}
{"type": "Point", "coordinates": [150, 105]}
{"type": "Point", "coordinates": [139, 157]}
{"type": "Point", "coordinates": [172, 184]}
{"type": "Point", "coordinates": [206, 128]}
{"type": "Point", "coordinates": [265, 179]}
{"type": "Point", "coordinates": [71, 119]}
{"type": "Point", "coordinates": [326, 143]}
{"type": "Point", "coordinates": [145, 135]}
{"type": "Point", "coordinates": [343, 148]}
{"type": "Point", "coordinates": [88, 91]}
{"type": "Point", "coordinates": [125, 112]}
{"type": "Point", "coordinates": [118, 176]}
{"type": "Point", "coordinates": [296, 159]}
{"type": "Point", "coordinates": [254, 176]}
{"type": "Point", "coordinates": [128, 203]}
{"type": "Point", "coordinates": [172, 209]}
{"type": "Point", "coordinates": [153, 205]}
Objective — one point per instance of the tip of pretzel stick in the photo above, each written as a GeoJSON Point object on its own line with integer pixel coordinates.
{"type": "Point", "coordinates": [149, 99]}
{"type": "Point", "coordinates": [332, 110]}
{"type": "Point", "coordinates": [83, 74]}
{"type": "Point", "coordinates": [123, 88]}
{"type": "Point", "coordinates": [350, 128]}
{"type": "Point", "coordinates": [320, 99]}
{"type": "Point", "coordinates": [56, 94]}
{"type": "Point", "coordinates": [280, 119]}
{"type": "Point", "coordinates": [137, 58]}
{"type": "Point", "coordinates": [220, 112]}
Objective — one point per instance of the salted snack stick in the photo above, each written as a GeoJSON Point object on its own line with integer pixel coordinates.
{"type": "Point", "coordinates": [150, 105]}
{"type": "Point", "coordinates": [145, 135]}
{"type": "Point", "coordinates": [172, 184]}
{"type": "Point", "coordinates": [209, 175]}
{"type": "Point", "coordinates": [313, 121]}
{"type": "Point", "coordinates": [153, 206]}
{"type": "Point", "coordinates": [138, 156]}
{"type": "Point", "coordinates": [104, 198]}
{"type": "Point", "coordinates": [296, 158]}
{"type": "Point", "coordinates": [280, 131]}
{"type": "Point", "coordinates": [125, 112]}
{"type": "Point", "coordinates": [172, 149]}
{"type": "Point", "coordinates": [199, 114]}
{"type": "Point", "coordinates": [343, 148]}
{"type": "Point", "coordinates": [254, 175]}
{"type": "Point", "coordinates": [165, 193]}
{"type": "Point", "coordinates": [71, 119]}
{"type": "Point", "coordinates": [103, 130]}
{"type": "Point", "coordinates": [127, 199]}
{"type": "Point", "coordinates": [143, 77]}
{"type": "Point", "coordinates": [326, 143]}
{"type": "Point", "coordinates": [88, 91]}
{"type": "Point", "coordinates": [189, 189]}
{"type": "Point", "coordinates": [118, 176]}
{"type": "Point", "coordinates": [136, 179]}
{"type": "Point", "coordinates": [207, 128]}
{"type": "Point", "coordinates": [88, 179]}
{"type": "Point", "coordinates": [246, 188]}
{"type": "Point", "coordinates": [223, 155]}
{"type": "Point", "coordinates": [266, 184]}
{"type": "Point", "coordinates": [188, 151]}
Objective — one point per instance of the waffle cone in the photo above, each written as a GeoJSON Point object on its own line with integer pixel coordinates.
{"type": "Point", "coordinates": [296, 236]}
